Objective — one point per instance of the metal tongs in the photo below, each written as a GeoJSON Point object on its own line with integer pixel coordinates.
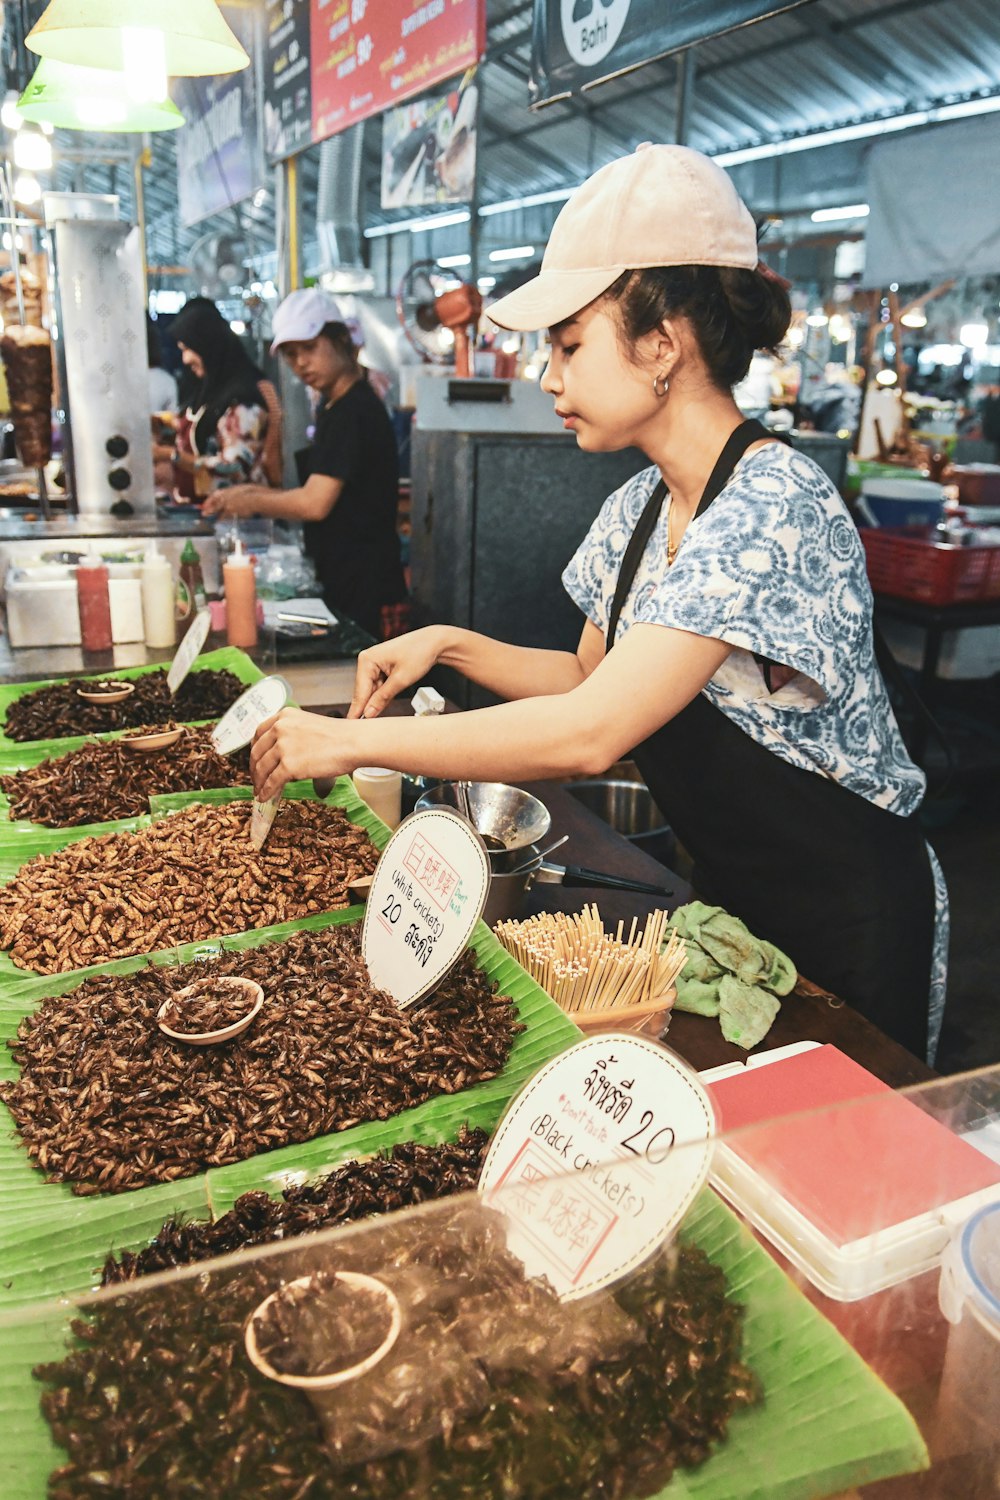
{"type": "Point", "coordinates": [574, 875]}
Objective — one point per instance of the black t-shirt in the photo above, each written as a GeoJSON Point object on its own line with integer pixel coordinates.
{"type": "Point", "coordinates": [356, 548]}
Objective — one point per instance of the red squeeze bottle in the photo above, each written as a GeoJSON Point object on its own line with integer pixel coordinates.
{"type": "Point", "coordinates": [94, 603]}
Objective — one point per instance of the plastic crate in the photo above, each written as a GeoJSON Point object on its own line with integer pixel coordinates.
{"type": "Point", "coordinates": [905, 561]}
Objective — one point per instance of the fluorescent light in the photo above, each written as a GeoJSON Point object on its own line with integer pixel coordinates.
{"type": "Point", "coordinates": [974, 335]}
{"type": "Point", "coordinates": [513, 252]}
{"type": "Point", "coordinates": [820, 138]}
{"type": "Point", "coordinates": [447, 261]}
{"type": "Point", "coordinates": [32, 151]}
{"type": "Point", "coordinates": [164, 301]}
{"type": "Point", "coordinates": [432, 221]}
{"type": "Point", "coordinates": [511, 205]}
{"type": "Point", "coordinates": [486, 283]}
{"type": "Point", "coordinates": [859, 132]}
{"type": "Point", "coordinates": [832, 215]}
{"type": "Point", "coordinates": [967, 107]}
{"type": "Point", "coordinates": [27, 189]}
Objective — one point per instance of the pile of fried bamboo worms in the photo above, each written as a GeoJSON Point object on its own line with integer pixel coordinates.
{"type": "Point", "coordinates": [584, 968]}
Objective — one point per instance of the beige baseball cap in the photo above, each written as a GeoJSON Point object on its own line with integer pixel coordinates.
{"type": "Point", "coordinates": [661, 206]}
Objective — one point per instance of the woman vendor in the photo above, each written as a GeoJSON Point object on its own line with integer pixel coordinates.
{"type": "Point", "coordinates": [349, 478]}
{"type": "Point", "coordinates": [728, 633]}
{"type": "Point", "coordinates": [222, 436]}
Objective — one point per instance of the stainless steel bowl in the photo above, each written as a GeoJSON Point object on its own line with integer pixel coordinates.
{"type": "Point", "coordinates": [514, 818]}
{"type": "Point", "coordinates": [630, 810]}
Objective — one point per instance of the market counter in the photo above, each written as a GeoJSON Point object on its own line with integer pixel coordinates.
{"type": "Point", "coordinates": [808, 1014]}
{"type": "Point", "coordinates": [317, 669]}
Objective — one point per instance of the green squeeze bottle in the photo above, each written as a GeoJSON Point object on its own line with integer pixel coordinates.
{"type": "Point", "coordinates": [191, 596]}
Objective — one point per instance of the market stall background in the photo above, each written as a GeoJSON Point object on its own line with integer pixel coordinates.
{"type": "Point", "coordinates": [795, 105]}
{"type": "Point", "coordinates": [773, 101]}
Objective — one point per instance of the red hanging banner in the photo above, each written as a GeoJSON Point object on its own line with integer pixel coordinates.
{"type": "Point", "coordinates": [367, 55]}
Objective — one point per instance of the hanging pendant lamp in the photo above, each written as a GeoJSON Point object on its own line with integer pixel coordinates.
{"type": "Point", "coordinates": [189, 37]}
{"type": "Point", "coordinates": [77, 98]}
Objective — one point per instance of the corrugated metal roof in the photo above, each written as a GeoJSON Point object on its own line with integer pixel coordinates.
{"type": "Point", "coordinates": [823, 64]}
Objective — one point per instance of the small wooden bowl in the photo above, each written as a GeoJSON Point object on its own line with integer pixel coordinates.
{"type": "Point", "coordinates": [157, 739]}
{"type": "Point", "coordinates": [120, 691]}
{"type": "Point", "coordinates": [648, 1020]}
{"type": "Point", "coordinates": [339, 1377]}
{"type": "Point", "coordinates": [254, 997]}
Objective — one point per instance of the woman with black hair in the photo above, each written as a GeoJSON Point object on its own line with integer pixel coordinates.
{"type": "Point", "coordinates": [348, 488]}
{"type": "Point", "coordinates": [727, 640]}
{"type": "Point", "coordinates": [222, 435]}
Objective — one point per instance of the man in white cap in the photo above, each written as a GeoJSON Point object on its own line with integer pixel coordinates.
{"type": "Point", "coordinates": [349, 475]}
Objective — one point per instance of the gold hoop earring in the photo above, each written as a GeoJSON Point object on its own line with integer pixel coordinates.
{"type": "Point", "coordinates": [659, 380]}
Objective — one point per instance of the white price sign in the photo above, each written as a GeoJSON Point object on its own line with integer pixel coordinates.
{"type": "Point", "coordinates": [587, 1165]}
{"type": "Point", "coordinates": [241, 721]}
{"type": "Point", "coordinates": [262, 815]}
{"type": "Point", "coordinates": [187, 651]}
{"type": "Point", "coordinates": [427, 894]}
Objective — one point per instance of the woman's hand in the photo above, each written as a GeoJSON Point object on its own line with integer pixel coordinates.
{"type": "Point", "coordinates": [391, 667]}
{"type": "Point", "coordinates": [293, 745]}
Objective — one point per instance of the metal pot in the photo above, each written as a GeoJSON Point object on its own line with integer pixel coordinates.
{"type": "Point", "coordinates": [506, 894]}
{"type": "Point", "coordinates": [628, 807]}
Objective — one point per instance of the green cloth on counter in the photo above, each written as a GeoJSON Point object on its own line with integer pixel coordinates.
{"type": "Point", "coordinates": [729, 973]}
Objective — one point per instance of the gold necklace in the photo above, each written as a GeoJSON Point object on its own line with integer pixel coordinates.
{"type": "Point", "coordinates": [671, 546]}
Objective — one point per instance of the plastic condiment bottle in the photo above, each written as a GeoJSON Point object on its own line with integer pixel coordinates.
{"type": "Point", "coordinates": [240, 588]}
{"type": "Point", "coordinates": [191, 596]}
{"type": "Point", "coordinates": [94, 603]}
{"type": "Point", "coordinates": [157, 580]}
{"type": "Point", "coordinates": [382, 790]}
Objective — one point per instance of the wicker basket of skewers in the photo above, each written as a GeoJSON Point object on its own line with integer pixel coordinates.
{"type": "Point", "coordinates": [606, 982]}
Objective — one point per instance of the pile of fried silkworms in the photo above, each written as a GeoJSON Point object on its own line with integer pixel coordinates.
{"type": "Point", "coordinates": [408, 1174]}
{"type": "Point", "coordinates": [193, 874]}
{"type": "Point", "coordinates": [57, 711]}
{"type": "Point", "coordinates": [494, 1387]}
{"type": "Point", "coordinates": [104, 779]}
{"type": "Point", "coordinates": [107, 1102]}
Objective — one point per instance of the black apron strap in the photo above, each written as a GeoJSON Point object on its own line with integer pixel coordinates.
{"type": "Point", "coordinates": [746, 434]}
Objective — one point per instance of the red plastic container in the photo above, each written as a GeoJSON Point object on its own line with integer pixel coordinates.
{"type": "Point", "coordinates": [906, 562]}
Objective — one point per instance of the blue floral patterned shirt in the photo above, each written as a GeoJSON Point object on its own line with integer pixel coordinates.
{"type": "Point", "coordinates": [775, 568]}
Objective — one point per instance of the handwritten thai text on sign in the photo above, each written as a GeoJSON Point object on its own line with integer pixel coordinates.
{"type": "Point", "coordinates": [587, 1163]}
{"type": "Point", "coordinates": [426, 896]}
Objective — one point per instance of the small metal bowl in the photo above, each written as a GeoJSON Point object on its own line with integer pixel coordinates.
{"type": "Point", "coordinates": [254, 997]}
{"type": "Point", "coordinates": [513, 818]}
{"type": "Point", "coordinates": [117, 693]}
{"type": "Point", "coordinates": [156, 739]}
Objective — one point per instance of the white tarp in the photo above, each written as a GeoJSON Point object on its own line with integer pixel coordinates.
{"type": "Point", "coordinates": [935, 204]}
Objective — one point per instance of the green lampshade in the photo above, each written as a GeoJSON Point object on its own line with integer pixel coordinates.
{"type": "Point", "coordinates": [91, 99]}
{"type": "Point", "coordinates": [191, 36]}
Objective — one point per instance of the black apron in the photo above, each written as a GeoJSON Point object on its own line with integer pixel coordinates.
{"type": "Point", "coordinates": [843, 886]}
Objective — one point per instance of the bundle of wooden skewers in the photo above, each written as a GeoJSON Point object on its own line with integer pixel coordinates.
{"type": "Point", "coordinates": [593, 975]}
